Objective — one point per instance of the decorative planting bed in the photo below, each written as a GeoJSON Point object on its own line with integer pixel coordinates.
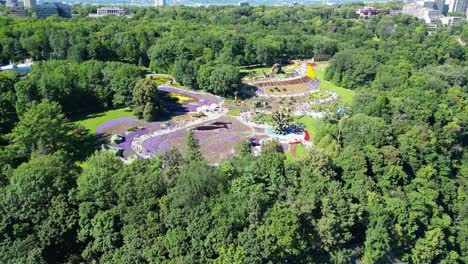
{"type": "Point", "coordinates": [192, 101]}
{"type": "Point", "coordinates": [320, 95]}
{"type": "Point", "coordinates": [122, 125]}
{"type": "Point", "coordinates": [216, 143]}
{"type": "Point", "coordinates": [295, 88]}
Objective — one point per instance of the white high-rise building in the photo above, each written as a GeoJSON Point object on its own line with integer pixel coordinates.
{"type": "Point", "coordinates": [440, 5]}
{"type": "Point", "coordinates": [457, 6]}
{"type": "Point", "coordinates": [159, 3]}
{"type": "Point", "coordinates": [29, 3]}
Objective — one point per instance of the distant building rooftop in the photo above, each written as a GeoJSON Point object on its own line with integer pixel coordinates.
{"type": "Point", "coordinates": [368, 12]}
{"type": "Point", "coordinates": [104, 11]}
{"type": "Point", "coordinates": [22, 68]}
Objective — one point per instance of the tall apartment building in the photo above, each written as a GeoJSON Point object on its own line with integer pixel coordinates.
{"type": "Point", "coordinates": [29, 3]}
{"type": "Point", "coordinates": [425, 10]}
{"type": "Point", "coordinates": [440, 6]}
{"type": "Point", "coordinates": [159, 3]}
{"type": "Point", "coordinates": [458, 6]}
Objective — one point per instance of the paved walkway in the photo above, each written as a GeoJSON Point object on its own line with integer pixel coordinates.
{"type": "Point", "coordinates": [303, 109]}
{"type": "Point", "coordinates": [138, 142]}
{"type": "Point", "coordinates": [138, 147]}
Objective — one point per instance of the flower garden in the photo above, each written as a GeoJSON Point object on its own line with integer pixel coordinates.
{"type": "Point", "coordinates": [187, 101]}
{"type": "Point", "coordinates": [299, 81]}
{"type": "Point", "coordinates": [217, 132]}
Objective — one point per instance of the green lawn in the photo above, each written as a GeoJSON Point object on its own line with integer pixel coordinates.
{"type": "Point", "coordinates": [345, 95]}
{"type": "Point", "coordinates": [264, 119]}
{"type": "Point", "coordinates": [234, 111]}
{"type": "Point", "coordinates": [92, 121]}
{"type": "Point", "coordinates": [312, 125]}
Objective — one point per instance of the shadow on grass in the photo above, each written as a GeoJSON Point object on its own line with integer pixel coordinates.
{"type": "Point", "coordinates": [87, 143]}
{"type": "Point", "coordinates": [173, 106]}
{"type": "Point", "coordinates": [247, 91]}
{"type": "Point", "coordinates": [214, 126]}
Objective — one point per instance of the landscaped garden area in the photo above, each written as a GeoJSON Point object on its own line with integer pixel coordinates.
{"type": "Point", "coordinates": [284, 114]}
{"type": "Point", "coordinates": [346, 95]}
{"type": "Point", "coordinates": [319, 95]}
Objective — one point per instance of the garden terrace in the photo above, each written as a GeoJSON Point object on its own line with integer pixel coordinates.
{"type": "Point", "coordinates": [216, 143]}
{"type": "Point", "coordinates": [195, 100]}
{"type": "Point", "coordinates": [287, 88]}
{"type": "Point", "coordinates": [121, 126]}
{"type": "Point", "coordinates": [267, 83]}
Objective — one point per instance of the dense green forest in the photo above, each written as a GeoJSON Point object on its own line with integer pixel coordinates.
{"type": "Point", "coordinates": [385, 182]}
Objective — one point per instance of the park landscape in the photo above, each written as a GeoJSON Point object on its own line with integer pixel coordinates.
{"type": "Point", "coordinates": [233, 134]}
{"type": "Point", "coordinates": [219, 125]}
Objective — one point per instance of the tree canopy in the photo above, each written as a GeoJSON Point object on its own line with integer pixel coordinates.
{"type": "Point", "coordinates": [146, 104]}
{"type": "Point", "coordinates": [384, 182]}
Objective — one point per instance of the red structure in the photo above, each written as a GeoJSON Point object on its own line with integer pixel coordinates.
{"type": "Point", "coordinates": [306, 136]}
{"type": "Point", "coordinates": [368, 12]}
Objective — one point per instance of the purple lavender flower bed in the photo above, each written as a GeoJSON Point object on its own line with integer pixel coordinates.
{"type": "Point", "coordinates": [203, 99]}
{"type": "Point", "coordinates": [157, 144]}
{"type": "Point", "coordinates": [164, 142]}
{"type": "Point", "coordinates": [113, 123]}
{"type": "Point", "coordinates": [126, 145]}
{"type": "Point", "coordinates": [121, 125]}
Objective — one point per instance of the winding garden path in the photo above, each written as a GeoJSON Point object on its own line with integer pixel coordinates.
{"type": "Point", "coordinates": [137, 144]}
{"type": "Point", "coordinates": [138, 147]}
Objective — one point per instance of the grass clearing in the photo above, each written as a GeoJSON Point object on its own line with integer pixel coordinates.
{"type": "Point", "coordinates": [346, 95]}
{"type": "Point", "coordinates": [299, 150]}
{"type": "Point", "coordinates": [234, 111]}
{"type": "Point", "coordinates": [312, 125]}
{"type": "Point", "coordinates": [264, 119]}
{"type": "Point", "coordinates": [288, 155]}
{"type": "Point", "coordinates": [92, 121]}
{"type": "Point", "coordinates": [256, 71]}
